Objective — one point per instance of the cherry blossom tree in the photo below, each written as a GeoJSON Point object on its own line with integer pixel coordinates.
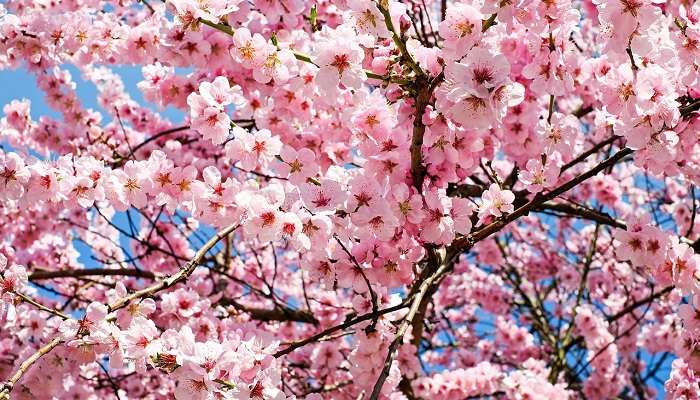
{"type": "Point", "coordinates": [365, 199]}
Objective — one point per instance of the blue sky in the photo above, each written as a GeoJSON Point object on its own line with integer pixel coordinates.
{"type": "Point", "coordinates": [19, 84]}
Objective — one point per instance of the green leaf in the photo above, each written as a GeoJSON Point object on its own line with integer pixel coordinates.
{"type": "Point", "coordinates": [312, 18]}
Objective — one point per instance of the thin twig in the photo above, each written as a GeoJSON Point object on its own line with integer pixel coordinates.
{"type": "Point", "coordinates": [364, 317]}
{"type": "Point", "coordinates": [40, 306]}
{"type": "Point", "coordinates": [180, 276]}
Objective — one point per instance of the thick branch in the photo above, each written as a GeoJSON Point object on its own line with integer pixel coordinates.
{"type": "Point", "coordinates": [76, 273]}
{"type": "Point", "coordinates": [275, 314]}
{"type": "Point", "coordinates": [465, 243]}
{"type": "Point", "coordinates": [418, 300]}
{"type": "Point", "coordinates": [24, 367]}
{"type": "Point", "coordinates": [417, 168]}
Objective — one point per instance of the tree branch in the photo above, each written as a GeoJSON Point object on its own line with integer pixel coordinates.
{"type": "Point", "coordinates": [364, 317]}
{"type": "Point", "coordinates": [466, 242]}
{"type": "Point", "coordinates": [184, 272]}
{"type": "Point", "coordinates": [75, 273]}
{"type": "Point", "coordinates": [419, 298]}
{"type": "Point", "coordinates": [24, 367]}
{"type": "Point", "coordinates": [279, 313]}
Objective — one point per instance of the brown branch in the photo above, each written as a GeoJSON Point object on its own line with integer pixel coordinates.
{"type": "Point", "coordinates": [157, 136]}
{"type": "Point", "coordinates": [418, 170]}
{"type": "Point", "coordinates": [75, 273]}
{"type": "Point", "coordinates": [582, 111]}
{"type": "Point", "coordinates": [372, 294]}
{"type": "Point", "coordinates": [589, 152]}
{"type": "Point", "coordinates": [149, 6]}
{"type": "Point", "coordinates": [364, 317]}
{"type": "Point", "coordinates": [418, 300]}
{"type": "Point", "coordinates": [487, 23]}
{"type": "Point", "coordinates": [466, 242]}
{"type": "Point", "coordinates": [176, 278]}
{"type": "Point", "coordinates": [40, 306]}
{"type": "Point", "coordinates": [639, 303]}
{"type": "Point", "coordinates": [690, 108]}
{"type": "Point", "coordinates": [561, 209]}
{"type": "Point", "coordinates": [465, 190]}
{"type": "Point", "coordinates": [121, 159]}
{"type": "Point", "coordinates": [692, 213]}
{"type": "Point", "coordinates": [279, 313]}
{"type": "Point", "coordinates": [24, 367]}
{"type": "Point", "coordinates": [579, 297]}
{"type": "Point", "coordinates": [581, 212]}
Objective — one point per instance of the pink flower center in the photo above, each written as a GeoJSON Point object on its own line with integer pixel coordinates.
{"type": "Point", "coordinates": [184, 304]}
{"type": "Point", "coordinates": [198, 386]}
{"type": "Point", "coordinates": [482, 75]}
{"type": "Point", "coordinates": [268, 218]}
{"type": "Point", "coordinates": [7, 285]}
{"type": "Point", "coordinates": [363, 199]}
{"type": "Point", "coordinates": [142, 342]}
{"type": "Point", "coordinates": [213, 119]}
{"type": "Point", "coordinates": [435, 215]}
{"type": "Point", "coordinates": [259, 147]}
{"type": "Point", "coordinates": [288, 229]}
{"type": "Point", "coordinates": [341, 62]}
{"type": "Point", "coordinates": [9, 175]}
{"type": "Point", "coordinates": [376, 222]}
{"type": "Point", "coordinates": [321, 200]}
{"type": "Point", "coordinates": [45, 182]}
{"type": "Point", "coordinates": [132, 184]}
{"type": "Point", "coordinates": [295, 166]}
{"type": "Point", "coordinates": [257, 391]}
{"type": "Point", "coordinates": [631, 6]}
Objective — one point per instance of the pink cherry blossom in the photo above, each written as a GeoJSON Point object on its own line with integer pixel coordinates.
{"type": "Point", "coordinates": [496, 202]}
{"type": "Point", "coordinates": [461, 28]}
{"type": "Point", "coordinates": [297, 166]}
{"type": "Point", "coordinates": [339, 60]}
{"type": "Point", "coordinates": [483, 73]}
{"type": "Point", "coordinates": [439, 226]}
{"type": "Point", "coordinates": [323, 196]}
{"type": "Point", "coordinates": [131, 185]}
{"type": "Point", "coordinates": [537, 176]}
{"type": "Point", "coordinates": [249, 49]}
{"type": "Point", "coordinates": [253, 149]}
{"type": "Point", "coordinates": [407, 206]}
{"type": "Point", "coordinates": [14, 175]}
